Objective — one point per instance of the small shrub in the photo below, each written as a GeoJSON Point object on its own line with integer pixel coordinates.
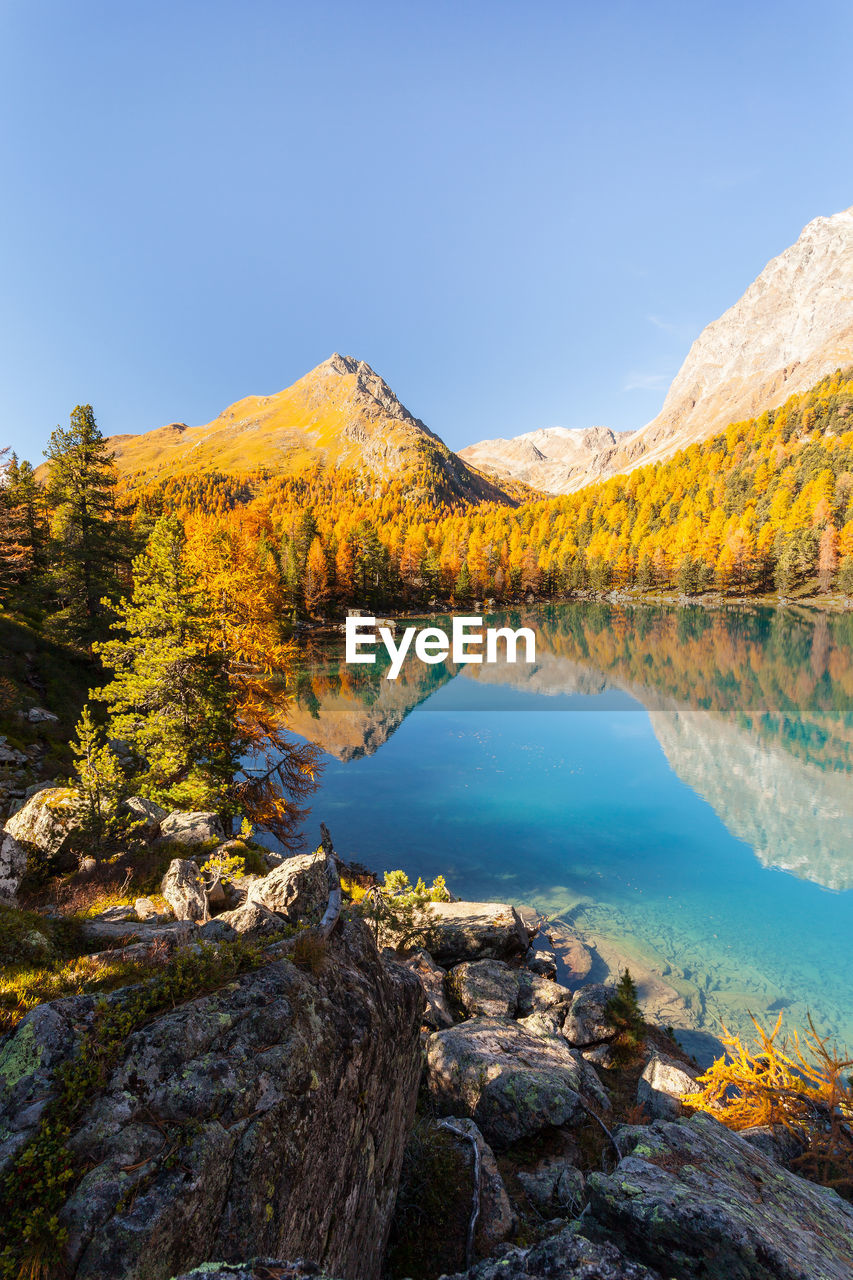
{"type": "Point", "coordinates": [623, 1010]}
{"type": "Point", "coordinates": [310, 951]}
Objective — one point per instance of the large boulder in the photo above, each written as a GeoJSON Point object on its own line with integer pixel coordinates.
{"type": "Point", "coordinates": [252, 920]}
{"type": "Point", "coordinates": [512, 1082]}
{"type": "Point", "coordinates": [486, 988]}
{"type": "Point", "coordinates": [191, 828]}
{"type": "Point", "coordinates": [298, 889]}
{"type": "Point", "coordinates": [13, 866]}
{"type": "Point", "coordinates": [476, 931]}
{"type": "Point", "coordinates": [587, 1024]}
{"type": "Point", "coordinates": [183, 888]}
{"type": "Point", "coordinates": [555, 1187]}
{"type": "Point", "coordinates": [566, 1256]}
{"type": "Point", "coordinates": [661, 1085]}
{"type": "Point", "coordinates": [145, 817]}
{"type": "Point", "coordinates": [48, 824]}
{"type": "Point", "coordinates": [695, 1200]}
{"type": "Point", "coordinates": [266, 1118]}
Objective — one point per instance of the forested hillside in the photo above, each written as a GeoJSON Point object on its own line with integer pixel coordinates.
{"type": "Point", "coordinates": [765, 506]}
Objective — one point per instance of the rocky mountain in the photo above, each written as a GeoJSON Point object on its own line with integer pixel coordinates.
{"type": "Point", "coordinates": [793, 326]}
{"type": "Point", "coordinates": [341, 414]}
{"type": "Point", "coordinates": [553, 459]}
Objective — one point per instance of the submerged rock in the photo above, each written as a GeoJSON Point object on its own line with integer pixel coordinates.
{"type": "Point", "coordinates": [697, 1201]}
{"type": "Point", "coordinates": [476, 931]}
{"type": "Point", "coordinates": [297, 889]}
{"type": "Point", "coordinates": [512, 1082]}
{"type": "Point", "coordinates": [269, 1116]}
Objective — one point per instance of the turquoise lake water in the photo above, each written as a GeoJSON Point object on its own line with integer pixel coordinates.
{"type": "Point", "coordinates": [675, 784]}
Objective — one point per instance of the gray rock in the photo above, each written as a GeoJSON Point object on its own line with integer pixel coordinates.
{"type": "Point", "coordinates": [39, 715]}
{"type": "Point", "coordinates": [191, 828]}
{"type": "Point", "coordinates": [438, 1014]}
{"type": "Point", "coordinates": [513, 1083]}
{"type": "Point", "coordinates": [144, 908]}
{"type": "Point", "coordinates": [183, 888]}
{"type": "Point", "coordinates": [486, 988]}
{"type": "Point", "coordinates": [217, 930]}
{"type": "Point", "coordinates": [145, 816]}
{"type": "Point", "coordinates": [298, 889]}
{"type": "Point", "coordinates": [252, 920]}
{"type": "Point", "coordinates": [476, 931]}
{"type": "Point", "coordinates": [700, 1203]}
{"type": "Point", "coordinates": [175, 933]}
{"type": "Point", "coordinates": [48, 823]}
{"type": "Point", "coordinates": [496, 1219]}
{"type": "Point", "coordinates": [586, 1025]}
{"type": "Point", "coordinates": [268, 1117]}
{"type": "Point", "coordinates": [13, 866]}
{"type": "Point", "coordinates": [257, 1269]}
{"type": "Point", "coordinates": [566, 1256]}
{"type": "Point", "coordinates": [774, 1141]}
{"type": "Point", "coordinates": [554, 1186]}
{"type": "Point", "coordinates": [660, 1086]}
{"type": "Point", "coordinates": [540, 995]}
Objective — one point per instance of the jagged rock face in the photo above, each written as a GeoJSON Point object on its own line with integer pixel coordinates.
{"type": "Point", "coordinates": [553, 459]}
{"type": "Point", "coordinates": [793, 326]}
{"type": "Point", "coordinates": [266, 1118]}
{"type": "Point", "coordinates": [695, 1200]}
{"type": "Point", "coordinates": [13, 865]}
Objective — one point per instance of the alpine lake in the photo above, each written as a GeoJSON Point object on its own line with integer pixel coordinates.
{"type": "Point", "coordinates": [672, 785]}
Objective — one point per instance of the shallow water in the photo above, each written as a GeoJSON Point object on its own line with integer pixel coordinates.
{"type": "Point", "coordinates": [677, 784]}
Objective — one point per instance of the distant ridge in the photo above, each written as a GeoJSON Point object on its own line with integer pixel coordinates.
{"type": "Point", "coordinates": [792, 327]}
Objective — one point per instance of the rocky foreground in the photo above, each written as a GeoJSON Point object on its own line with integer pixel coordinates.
{"type": "Point", "coordinates": [453, 1100]}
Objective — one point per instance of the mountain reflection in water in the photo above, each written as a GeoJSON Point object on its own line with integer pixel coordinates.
{"type": "Point", "coordinates": [752, 709]}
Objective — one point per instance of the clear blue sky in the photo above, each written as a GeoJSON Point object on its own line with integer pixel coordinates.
{"type": "Point", "coordinates": [520, 214]}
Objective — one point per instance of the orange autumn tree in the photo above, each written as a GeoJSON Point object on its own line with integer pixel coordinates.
{"type": "Point", "coordinates": [199, 681]}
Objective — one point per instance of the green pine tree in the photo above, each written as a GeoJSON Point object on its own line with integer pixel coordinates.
{"type": "Point", "coordinates": [88, 542]}
{"type": "Point", "coordinates": [170, 699]}
{"type": "Point", "coordinates": [100, 783]}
